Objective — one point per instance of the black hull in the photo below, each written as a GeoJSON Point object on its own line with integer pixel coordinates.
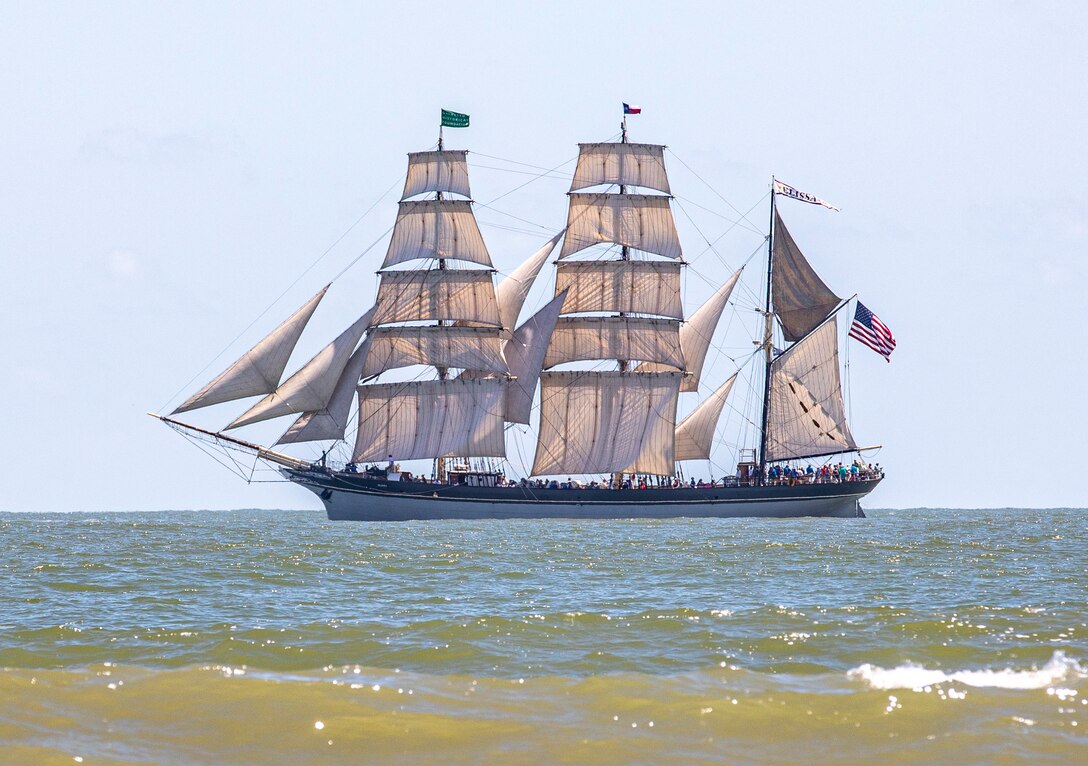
{"type": "Point", "coordinates": [357, 497]}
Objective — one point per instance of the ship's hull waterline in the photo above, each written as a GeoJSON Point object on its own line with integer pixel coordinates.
{"type": "Point", "coordinates": [349, 497]}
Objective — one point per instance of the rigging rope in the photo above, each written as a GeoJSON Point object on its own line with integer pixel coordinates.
{"type": "Point", "coordinates": [286, 290]}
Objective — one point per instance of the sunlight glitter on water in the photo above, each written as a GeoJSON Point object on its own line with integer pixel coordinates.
{"type": "Point", "coordinates": [181, 637]}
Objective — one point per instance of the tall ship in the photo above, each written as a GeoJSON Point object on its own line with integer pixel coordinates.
{"type": "Point", "coordinates": [597, 373]}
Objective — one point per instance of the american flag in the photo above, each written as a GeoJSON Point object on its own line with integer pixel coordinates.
{"type": "Point", "coordinates": [871, 331]}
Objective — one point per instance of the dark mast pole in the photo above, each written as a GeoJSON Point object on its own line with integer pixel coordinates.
{"type": "Point", "coordinates": [443, 373]}
{"type": "Point", "coordinates": [768, 347]}
{"type": "Point", "coordinates": [625, 254]}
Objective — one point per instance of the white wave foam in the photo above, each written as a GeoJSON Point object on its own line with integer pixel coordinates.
{"type": "Point", "coordinates": [912, 676]}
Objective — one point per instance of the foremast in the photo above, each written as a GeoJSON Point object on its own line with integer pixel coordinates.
{"type": "Point", "coordinates": [447, 318]}
{"type": "Point", "coordinates": [443, 372]}
{"type": "Point", "coordinates": [434, 315]}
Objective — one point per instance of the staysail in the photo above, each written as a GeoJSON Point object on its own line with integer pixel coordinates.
{"type": "Point", "coordinates": [695, 433]}
{"type": "Point", "coordinates": [524, 353]}
{"type": "Point", "coordinates": [697, 332]}
{"type": "Point", "coordinates": [311, 387]}
{"type": "Point", "coordinates": [331, 422]}
{"type": "Point", "coordinates": [513, 290]}
{"type": "Point", "coordinates": [258, 371]}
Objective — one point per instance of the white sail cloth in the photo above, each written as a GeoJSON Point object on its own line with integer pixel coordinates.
{"type": "Point", "coordinates": [695, 433]}
{"type": "Point", "coordinates": [444, 171]}
{"type": "Point", "coordinates": [806, 417]}
{"type": "Point", "coordinates": [470, 348]}
{"type": "Point", "coordinates": [513, 290]}
{"type": "Point", "coordinates": [311, 387]}
{"type": "Point", "coordinates": [633, 287]}
{"type": "Point", "coordinates": [697, 332]}
{"type": "Point", "coordinates": [801, 299]}
{"type": "Point", "coordinates": [436, 229]}
{"type": "Point", "coordinates": [331, 422]}
{"type": "Point", "coordinates": [624, 164]}
{"type": "Point", "coordinates": [601, 422]}
{"type": "Point", "coordinates": [438, 294]}
{"type": "Point", "coordinates": [633, 220]}
{"type": "Point", "coordinates": [258, 371]}
{"type": "Point", "coordinates": [430, 419]}
{"type": "Point", "coordinates": [525, 354]}
{"type": "Point", "coordinates": [631, 338]}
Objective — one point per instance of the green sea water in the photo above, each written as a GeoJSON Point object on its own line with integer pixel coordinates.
{"type": "Point", "coordinates": [918, 636]}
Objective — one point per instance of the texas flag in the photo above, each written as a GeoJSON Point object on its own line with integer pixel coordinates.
{"type": "Point", "coordinates": [628, 109]}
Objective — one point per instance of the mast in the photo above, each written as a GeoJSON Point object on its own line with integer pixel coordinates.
{"type": "Point", "coordinates": [625, 254]}
{"type": "Point", "coordinates": [440, 463]}
{"type": "Point", "coordinates": [459, 328]}
{"type": "Point", "coordinates": [768, 347]}
{"type": "Point", "coordinates": [803, 412]}
{"type": "Point", "coordinates": [618, 308]}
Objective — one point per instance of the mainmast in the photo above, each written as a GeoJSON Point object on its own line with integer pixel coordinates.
{"type": "Point", "coordinates": [768, 343]}
{"type": "Point", "coordinates": [618, 307]}
{"type": "Point", "coordinates": [803, 413]}
{"type": "Point", "coordinates": [625, 254]}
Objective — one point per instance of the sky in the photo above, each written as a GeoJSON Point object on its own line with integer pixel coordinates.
{"type": "Point", "coordinates": [179, 178]}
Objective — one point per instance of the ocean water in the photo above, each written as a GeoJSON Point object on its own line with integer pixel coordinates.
{"type": "Point", "coordinates": [919, 636]}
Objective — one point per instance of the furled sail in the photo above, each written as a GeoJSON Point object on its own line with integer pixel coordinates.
{"type": "Point", "coordinates": [431, 419]}
{"type": "Point", "coordinates": [806, 417]}
{"type": "Point", "coordinates": [624, 164]}
{"type": "Point", "coordinates": [471, 348]}
{"type": "Point", "coordinates": [331, 422]}
{"type": "Point", "coordinates": [695, 433]}
{"type": "Point", "coordinates": [442, 171]}
{"type": "Point", "coordinates": [513, 290]}
{"type": "Point", "coordinates": [801, 299]}
{"type": "Point", "coordinates": [525, 354]}
{"type": "Point", "coordinates": [436, 229]}
{"type": "Point", "coordinates": [633, 220]}
{"type": "Point", "coordinates": [438, 294]}
{"type": "Point", "coordinates": [258, 371]}
{"type": "Point", "coordinates": [600, 422]}
{"type": "Point", "coordinates": [311, 387]}
{"type": "Point", "coordinates": [697, 332]}
{"type": "Point", "coordinates": [634, 287]}
{"type": "Point", "coordinates": [633, 338]}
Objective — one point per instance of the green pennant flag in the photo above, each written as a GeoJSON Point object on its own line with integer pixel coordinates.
{"type": "Point", "coordinates": [454, 119]}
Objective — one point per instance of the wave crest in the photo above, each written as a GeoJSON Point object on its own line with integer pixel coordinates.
{"type": "Point", "coordinates": [912, 676]}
